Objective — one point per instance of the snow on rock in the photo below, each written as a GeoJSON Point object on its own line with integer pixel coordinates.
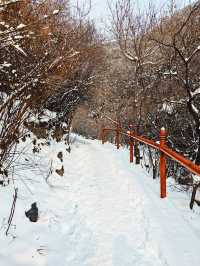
{"type": "Point", "coordinates": [55, 12]}
{"type": "Point", "coordinates": [170, 72]}
{"type": "Point", "coordinates": [102, 212]}
{"type": "Point", "coordinates": [21, 26]}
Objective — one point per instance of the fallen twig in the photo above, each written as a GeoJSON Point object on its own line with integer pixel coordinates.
{"type": "Point", "coordinates": [12, 211]}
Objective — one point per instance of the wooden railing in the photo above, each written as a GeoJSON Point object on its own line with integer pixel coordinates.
{"type": "Point", "coordinates": [161, 147]}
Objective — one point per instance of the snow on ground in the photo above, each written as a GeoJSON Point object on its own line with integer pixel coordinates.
{"type": "Point", "coordinates": [102, 212]}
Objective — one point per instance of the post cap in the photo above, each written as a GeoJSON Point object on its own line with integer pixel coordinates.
{"type": "Point", "coordinates": [163, 132]}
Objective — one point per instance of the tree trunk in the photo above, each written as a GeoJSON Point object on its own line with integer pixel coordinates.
{"type": "Point", "coordinates": [137, 153]}
{"type": "Point", "coordinates": [194, 191]}
{"type": "Point", "coordinates": [197, 161]}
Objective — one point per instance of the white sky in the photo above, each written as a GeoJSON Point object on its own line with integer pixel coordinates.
{"type": "Point", "coordinates": [100, 11]}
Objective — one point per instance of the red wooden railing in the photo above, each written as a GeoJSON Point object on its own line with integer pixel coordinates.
{"type": "Point", "coordinates": [162, 147]}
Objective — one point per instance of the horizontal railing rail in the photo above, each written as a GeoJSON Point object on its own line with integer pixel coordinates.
{"type": "Point", "coordinates": [161, 147]}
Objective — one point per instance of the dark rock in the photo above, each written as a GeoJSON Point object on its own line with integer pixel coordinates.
{"type": "Point", "coordinates": [32, 214]}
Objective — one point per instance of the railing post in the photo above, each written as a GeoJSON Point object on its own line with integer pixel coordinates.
{"type": "Point", "coordinates": [163, 192]}
{"type": "Point", "coordinates": [103, 136]}
{"type": "Point", "coordinates": [117, 136]}
{"type": "Point", "coordinates": [131, 143]}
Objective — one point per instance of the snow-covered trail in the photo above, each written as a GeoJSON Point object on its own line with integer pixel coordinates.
{"type": "Point", "coordinates": [112, 209]}
{"type": "Point", "coordinates": [130, 224]}
{"type": "Point", "coordinates": [104, 211]}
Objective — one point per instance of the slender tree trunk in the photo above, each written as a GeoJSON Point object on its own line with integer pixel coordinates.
{"type": "Point", "coordinates": [197, 161]}
{"type": "Point", "coordinates": [194, 191]}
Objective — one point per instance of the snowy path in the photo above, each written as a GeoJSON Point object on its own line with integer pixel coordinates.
{"type": "Point", "coordinates": [104, 212]}
{"type": "Point", "coordinates": [113, 211]}
{"type": "Point", "coordinates": [129, 223]}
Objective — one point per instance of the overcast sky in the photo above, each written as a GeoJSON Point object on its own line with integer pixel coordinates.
{"type": "Point", "coordinates": [100, 11]}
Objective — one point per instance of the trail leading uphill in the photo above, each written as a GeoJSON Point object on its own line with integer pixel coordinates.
{"type": "Point", "coordinates": [102, 212]}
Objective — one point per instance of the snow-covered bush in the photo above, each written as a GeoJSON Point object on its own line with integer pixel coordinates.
{"type": "Point", "coordinates": [47, 58]}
